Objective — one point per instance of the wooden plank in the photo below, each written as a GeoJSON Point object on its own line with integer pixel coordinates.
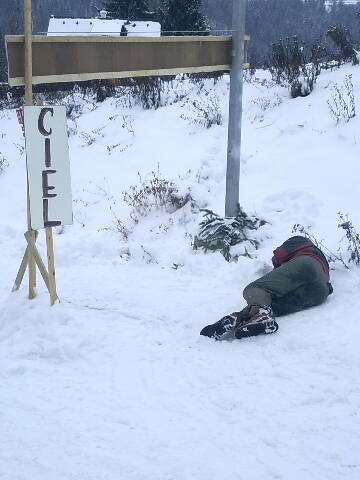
{"type": "Point", "coordinates": [34, 251]}
{"type": "Point", "coordinates": [112, 75]}
{"type": "Point", "coordinates": [29, 101]}
{"type": "Point", "coordinates": [31, 260]}
{"type": "Point", "coordinates": [67, 59]}
{"type": "Point", "coordinates": [22, 270]}
{"type": "Point", "coordinates": [89, 38]}
{"type": "Point", "coordinates": [51, 265]}
{"type": "Point", "coordinates": [28, 53]}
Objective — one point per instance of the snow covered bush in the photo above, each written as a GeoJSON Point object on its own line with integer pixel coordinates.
{"type": "Point", "coordinates": [155, 193]}
{"type": "Point", "coordinates": [102, 90]}
{"type": "Point", "coordinates": [128, 131]}
{"type": "Point", "coordinates": [128, 124]}
{"type": "Point", "coordinates": [220, 234]}
{"type": "Point", "coordinates": [353, 238]}
{"type": "Point", "coordinates": [11, 97]}
{"type": "Point", "coordinates": [176, 90]}
{"type": "Point", "coordinates": [146, 91]}
{"type": "Point", "coordinates": [304, 84]}
{"type": "Point", "coordinates": [120, 226]}
{"type": "Point", "coordinates": [267, 103]}
{"type": "Point", "coordinates": [341, 37]}
{"type": "Point", "coordinates": [3, 163]}
{"type": "Point", "coordinates": [342, 101]}
{"type": "Point", "coordinates": [90, 138]}
{"type": "Point", "coordinates": [289, 64]}
{"type": "Point", "coordinates": [159, 212]}
{"type": "Point", "coordinates": [285, 60]}
{"type": "Point", "coordinates": [151, 92]}
{"type": "Point", "coordinates": [204, 111]}
{"type": "Point", "coordinates": [199, 79]}
{"type": "Point", "coordinates": [351, 235]}
{"type": "Point", "coordinates": [258, 106]}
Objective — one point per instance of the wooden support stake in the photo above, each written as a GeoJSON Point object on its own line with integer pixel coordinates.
{"type": "Point", "coordinates": [29, 101]}
{"type": "Point", "coordinates": [22, 269]}
{"type": "Point", "coordinates": [50, 254]}
{"type": "Point", "coordinates": [48, 276]}
{"type": "Point", "coordinates": [36, 255]}
{"type": "Point", "coordinates": [51, 265]}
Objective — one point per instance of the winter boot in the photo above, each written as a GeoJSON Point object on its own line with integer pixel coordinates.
{"type": "Point", "coordinates": [226, 325]}
{"type": "Point", "coordinates": [262, 321]}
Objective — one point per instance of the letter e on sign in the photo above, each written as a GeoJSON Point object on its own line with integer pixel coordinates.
{"type": "Point", "coordinates": [48, 167]}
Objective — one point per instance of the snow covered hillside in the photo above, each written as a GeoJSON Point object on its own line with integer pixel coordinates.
{"type": "Point", "coordinates": [115, 381]}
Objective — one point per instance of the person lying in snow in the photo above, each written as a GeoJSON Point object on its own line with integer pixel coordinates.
{"type": "Point", "coordinates": [300, 280]}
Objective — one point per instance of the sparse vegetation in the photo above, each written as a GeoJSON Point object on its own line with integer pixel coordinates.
{"type": "Point", "coordinates": [265, 103]}
{"type": "Point", "coordinates": [290, 65]}
{"type": "Point", "coordinates": [330, 256]}
{"type": "Point", "coordinates": [341, 37]}
{"type": "Point", "coordinates": [352, 236]}
{"type": "Point", "coordinates": [155, 193]}
{"type": "Point", "coordinates": [3, 163]}
{"type": "Point", "coordinates": [204, 111]}
{"type": "Point", "coordinates": [342, 101]}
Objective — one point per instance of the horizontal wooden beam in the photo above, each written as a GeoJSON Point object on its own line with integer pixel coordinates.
{"type": "Point", "coordinates": [81, 77]}
{"type": "Point", "coordinates": [75, 58]}
{"type": "Point", "coordinates": [97, 39]}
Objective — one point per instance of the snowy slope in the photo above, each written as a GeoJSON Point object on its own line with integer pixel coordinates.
{"type": "Point", "coordinates": [115, 382]}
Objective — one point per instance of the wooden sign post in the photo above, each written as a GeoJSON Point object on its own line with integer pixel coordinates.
{"type": "Point", "coordinates": [48, 185]}
{"type": "Point", "coordinates": [48, 176]}
{"type": "Point", "coordinates": [29, 101]}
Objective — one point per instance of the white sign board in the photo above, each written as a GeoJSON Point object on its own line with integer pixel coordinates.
{"type": "Point", "coordinates": [48, 167]}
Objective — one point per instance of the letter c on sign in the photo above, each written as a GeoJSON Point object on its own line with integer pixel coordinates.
{"type": "Point", "coordinates": [41, 127]}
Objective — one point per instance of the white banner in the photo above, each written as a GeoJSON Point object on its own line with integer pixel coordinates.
{"type": "Point", "coordinates": [48, 167]}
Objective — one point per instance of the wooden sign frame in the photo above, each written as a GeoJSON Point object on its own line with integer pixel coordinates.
{"type": "Point", "coordinates": [78, 58]}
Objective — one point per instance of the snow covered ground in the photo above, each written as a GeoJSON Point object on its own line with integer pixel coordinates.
{"type": "Point", "coordinates": [115, 381]}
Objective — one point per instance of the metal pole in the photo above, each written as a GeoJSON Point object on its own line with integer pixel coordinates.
{"type": "Point", "coordinates": [29, 101]}
{"type": "Point", "coordinates": [235, 110]}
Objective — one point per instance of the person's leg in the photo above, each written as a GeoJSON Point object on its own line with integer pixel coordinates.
{"type": "Point", "coordinates": [274, 294]}
{"type": "Point", "coordinates": [303, 275]}
{"type": "Point", "coordinates": [306, 296]}
{"type": "Point", "coordinates": [299, 283]}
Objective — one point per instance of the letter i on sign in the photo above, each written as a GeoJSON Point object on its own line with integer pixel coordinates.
{"type": "Point", "coordinates": [45, 180]}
